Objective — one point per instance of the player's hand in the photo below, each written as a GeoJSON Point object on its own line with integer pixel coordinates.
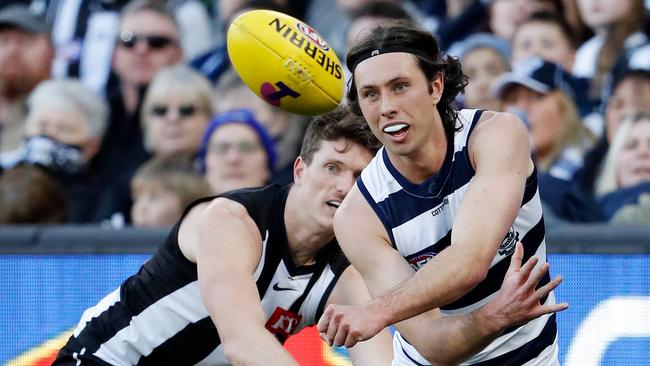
{"type": "Point", "coordinates": [343, 325]}
{"type": "Point", "coordinates": [518, 301]}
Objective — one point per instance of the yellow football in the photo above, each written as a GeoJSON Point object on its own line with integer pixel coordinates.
{"type": "Point", "coordinates": [285, 62]}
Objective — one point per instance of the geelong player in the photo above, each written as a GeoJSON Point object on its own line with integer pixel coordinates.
{"type": "Point", "coordinates": [432, 222]}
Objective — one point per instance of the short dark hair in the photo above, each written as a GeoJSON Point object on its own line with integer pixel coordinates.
{"type": "Point", "coordinates": [407, 35]}
{"type": "Point", "coordinates": [556, 19]}
{"type": "Point", "coordinates": [339, 123]}
{"type": "Point", "coordinates": [30, 195]}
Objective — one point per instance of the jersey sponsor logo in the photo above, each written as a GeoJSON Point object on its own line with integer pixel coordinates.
{"type": "Point", "coordinates": [419, 260]}
{"type": "Point", "coordinates": [507, 246]}
{"type": "Point", "coordinates": [282, 323]}
{"type": "Point", "coordinates": [438, 210]}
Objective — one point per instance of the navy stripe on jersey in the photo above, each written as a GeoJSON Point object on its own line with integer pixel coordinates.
{"type": "Point", "coordinates": [531, 242]}
{"type": "Point", "coordinates": [380, 214]}
{"type": "Point", "coordinates": [202, 335]}
{"type": "Point", "coordinates": [530, 190]}
{"type": "Point", "coordinates": [410, 358]}
{"type": "Point", "coordinates": [528, 351]}
{"type": "Point", "coordinates": [404, 205]}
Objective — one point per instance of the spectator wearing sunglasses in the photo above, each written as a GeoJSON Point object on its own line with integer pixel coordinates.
{"type": "Point", "coordinates": [175, 111]}
{"type": "Point", "coordinates": [236, 152]}
{"type": "Point", "coordinates": [148, 41]}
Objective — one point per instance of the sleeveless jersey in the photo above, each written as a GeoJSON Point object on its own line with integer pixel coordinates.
{"type": "Point", "coordinates": [419, 218]}
{"type": "Point", "coordinates": [157, 316]}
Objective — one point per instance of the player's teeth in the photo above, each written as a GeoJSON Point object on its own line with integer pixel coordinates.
{"type": "Point", "coordinates": [394, 128]}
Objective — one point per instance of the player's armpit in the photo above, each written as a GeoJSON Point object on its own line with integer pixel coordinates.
{"type": "Point", "coordinates": [228, 252]}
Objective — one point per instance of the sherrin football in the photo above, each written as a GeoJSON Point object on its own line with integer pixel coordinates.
{"type": "Point", "coordinates": [285, 62]}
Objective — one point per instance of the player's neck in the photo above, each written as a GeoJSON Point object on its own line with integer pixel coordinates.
{"type": "Point", "coordinates": [305, 238]}
{"type": "Point", "coordinates": [425, 161]}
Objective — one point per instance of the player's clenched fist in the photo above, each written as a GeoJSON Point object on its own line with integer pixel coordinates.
{"type": "Point", "coordinates": [346, 325]}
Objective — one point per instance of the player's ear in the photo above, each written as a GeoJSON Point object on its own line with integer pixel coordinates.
{"type": "Point", "coordinates": [436, 87]}
{"type": "Point", "coordinates": [298, 170]}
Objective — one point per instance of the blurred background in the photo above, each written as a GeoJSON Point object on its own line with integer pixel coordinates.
{"type": "Point", "coordinates": [115, 114]}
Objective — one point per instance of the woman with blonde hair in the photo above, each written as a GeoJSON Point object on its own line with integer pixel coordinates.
{"type": "Point", "coordinates": [623, 186]}
{"type": "Point", "coordinates": [175, 111]}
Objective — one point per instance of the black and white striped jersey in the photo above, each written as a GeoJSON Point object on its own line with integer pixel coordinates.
{"type": "Point", "coordinates": [157, 317]}
{"type": "Point", "coordinates": [419, 218]}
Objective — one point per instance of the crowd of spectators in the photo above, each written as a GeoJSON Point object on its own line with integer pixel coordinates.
{"type": "Point", "coordinates": [121, 112]}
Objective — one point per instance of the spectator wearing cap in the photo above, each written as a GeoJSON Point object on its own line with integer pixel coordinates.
{"type": "Point", "coordinates": [544, 93]}
{"type": "Point", "coordinates": [484, 57]}
{"type": "Point", "coordinates": [236, 152]}
{"type": "Point", "coordinates": [26, 55]}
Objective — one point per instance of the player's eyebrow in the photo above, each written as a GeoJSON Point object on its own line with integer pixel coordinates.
{"type": "Point", "coordinates": [389, 82]}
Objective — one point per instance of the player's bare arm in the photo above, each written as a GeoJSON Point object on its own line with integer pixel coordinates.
{"type": "Point", "coordinates": [227, 250]}
{"type": "Point", "coordinates": [350, 289]}
{"type": "Point", "coordinates": [456, 337]}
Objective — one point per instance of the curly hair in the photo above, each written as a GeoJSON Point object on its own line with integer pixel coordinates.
{"type": "Point", "coordinates": [339, 123]}
{"type": "Point", "coordinates": [408, 36]}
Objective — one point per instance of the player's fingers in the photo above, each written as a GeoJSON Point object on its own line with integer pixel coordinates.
{"type": "Point", "coordinates": [324, 320]}
{"type": "Point", "coordinates": [536, 276]}
{"type": "Point", "coordinates": [341, 335]}
{"type": "Point", "coordinates": [555, 308]}
{"type": "Point", "coordinates": [543, 291]}
{"type": "Point", "coordinates": [527, 268]}
{"type": "Point", "coordinates": [352, 339]}
{"type": "Point", "coordinates": [517, 256]}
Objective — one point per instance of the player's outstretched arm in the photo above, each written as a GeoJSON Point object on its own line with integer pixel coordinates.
{"type": "Point", "coordinates": [452, 339]}
{"type": "Point", "coordinates": [351, 290]}
{"type": "Point", "coordinates": [227, 251]}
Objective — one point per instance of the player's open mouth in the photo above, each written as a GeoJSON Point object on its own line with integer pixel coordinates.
{"type": "Point", "coordinates": [397, 129]}
{"type": "Point", "coordinates": [334, 204]}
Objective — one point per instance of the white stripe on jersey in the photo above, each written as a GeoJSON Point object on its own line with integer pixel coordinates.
{"type": "Point", "coordinates": [96, 310]}
{"type": "Point", "coordinates": [154, 325]}
{"type": "Point", "coordinates": [540, 253]}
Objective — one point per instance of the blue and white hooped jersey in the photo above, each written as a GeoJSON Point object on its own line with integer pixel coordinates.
{"type": "Point", "coordinates": [419, 218]}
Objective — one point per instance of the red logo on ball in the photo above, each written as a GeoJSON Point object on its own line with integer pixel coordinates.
{"type": "Point", "coordinates": [310, 33]}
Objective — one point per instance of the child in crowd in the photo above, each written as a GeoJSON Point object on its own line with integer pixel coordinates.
{"type": "Point", "coordinates": [162, 188]}
{"type": "Point", "coordinates": [544, 35]}
{"type": "Point", "coordinates": [484, 57]}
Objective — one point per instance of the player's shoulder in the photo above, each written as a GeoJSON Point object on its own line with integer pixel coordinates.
{"type": "Point", "coordinates": [500, 126]}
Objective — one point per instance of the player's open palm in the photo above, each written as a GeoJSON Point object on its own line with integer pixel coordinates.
{"type": "Point", "coordinates": [519, 301]}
